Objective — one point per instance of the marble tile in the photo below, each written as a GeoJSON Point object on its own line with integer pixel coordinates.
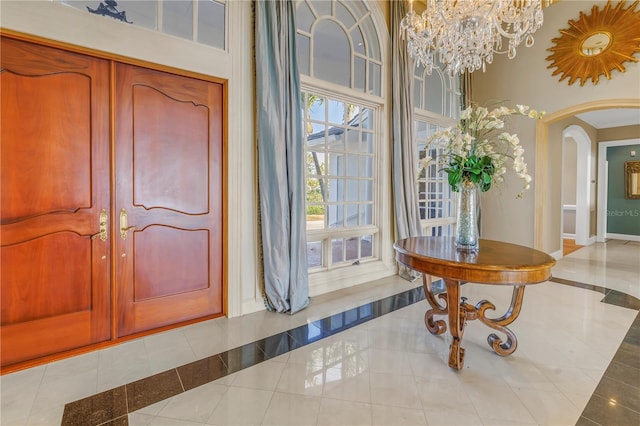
{"type": "Point", "coordinates": [301, 380]}
{"type": "Point", "coordinates": [495, 401]}
{"type": "Point", "coordinates": [396, 416]}
{"type": "Point", "coordinates": [295, 410]}
{"type": "Point", "coordinates": [19, 392]}
{"type": "Point", "coordinates": [604, 411]}
{"type": "Point", "coordinates": [200, 372]}
{"type": "Point", "coordinates": [232, 407]}
{"type": "Point", "coordinates": [394, 390]}
{"type": "Point", "coordinates": [196, 405]}
{"type": "Point", "coordinates": [619, 393]}
{"type": "Point", "coordinates": [263, 376]}
{"type": "Point", "coordinates": [152, 389]}
{"type": "Point", "coordinates": [548, 408]}
{"type": "Point", "coordinates": [347, 385]}
{"type": "Point", "coordinates": [334, 412]}
{"type": "Point", "coordinates": [122, 364]}
{"type": "Point", "coordinates": [96, 409]}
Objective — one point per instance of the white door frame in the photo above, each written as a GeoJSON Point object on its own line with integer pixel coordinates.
{"type": "Point", "coordinates": [602, 183]}
{"type": "Point", "coordinates": [583, 181]}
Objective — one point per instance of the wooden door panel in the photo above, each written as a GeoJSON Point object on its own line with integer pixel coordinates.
{"type": "Point", "coordinates": [54, 182]}
{"type": "Point", "coordinates": [169, 183]}
{"type": "Point", "coordinates": [30, 292]}
{"type": "Point", "coordinates": [170, 261]}
{"type": "Point", "coordinates": [176, 182]}
{"type": "Point", "coordinates": [45, 178]}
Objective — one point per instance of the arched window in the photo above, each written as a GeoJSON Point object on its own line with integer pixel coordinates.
{"type": "Point", "coordinates": [337, 42]}
{"type": "Point", "coordinates": [436, 106]}
{"type": "Point", "coordinates": [339, 56]}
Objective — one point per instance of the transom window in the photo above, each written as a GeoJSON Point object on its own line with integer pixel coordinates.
{"type": "Point", "coordinates": [337, 42]}
{"type": "Point", "coordinates": [202, 21]}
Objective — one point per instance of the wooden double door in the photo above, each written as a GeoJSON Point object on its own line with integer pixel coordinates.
{"type": "Point", "coordinates": [110, 200]}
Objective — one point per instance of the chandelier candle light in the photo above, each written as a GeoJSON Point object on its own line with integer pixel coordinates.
{"type": "Point", "coordinates": [475, 155]}
{"type": "Point", "coordinates": [466, 33]}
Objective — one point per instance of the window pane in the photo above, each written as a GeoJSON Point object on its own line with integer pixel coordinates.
{"type": "Point", "coordinates": [322, 7]}
{"type": "Point", "coordinates": [359, 71]}
{"type": "Point", "coordinates": [366, 246]}
{"type": "Point", "coordinates": [435, 91]}
{"type": "Point", "coordinates": [375, 79]}
{"type": "Point", "coordinates": [336, 190]}
{"type": "Point", "coordinates": [352, 190]}
{"type": "Point", "coordinates": [138, 12]}
{"type": "Point", "coordinates": [358, 41]}
{"type": "Point", "coordinates": [366, 168]}
{"type": "Point", "coordinates": [177, 18]}
{"type": "Point", "coordinates": [352, 165]}
{"type": "Point", "coordinates": [331, 53]}
{"type": "Point", "coordinates": [304, 17]}
{"type": "Point", "coordinates": [336, 111]}
{"type": "Point", "coordinates": [366, 214]}
{"type": "Point", "coordinates": [211, 19]}
{"type": "Point", "coordinates": [366, 119]}
{"type": "Point", "coordinates": [352, 249]}
{"type": "Point", "coordinates": [314, 254]}
{"type": "Point", "coordinates": [417, 94]}
{"type": "Point", "coordinates": [337, 251]}
{"type": "Point", "coordinates": [344, 15]}
{"type": "Point", "coordinates": [366, 190]}
{"type": "Point", "coordinates": [335, 216]}
{"type": "Point", "coordinates": [336, 163]}
{"type": "Point", "coordinates": [373, 47]}
{"type": "Point", "coordinates": [367, 142]}
{"type": "Point", "coordinates": [302, 49]}
{"type": "Point", "coordinates": [352, 215]}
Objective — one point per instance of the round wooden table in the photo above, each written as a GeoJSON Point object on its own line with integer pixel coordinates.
{"type": "Point", "coordinates": [494, 262]}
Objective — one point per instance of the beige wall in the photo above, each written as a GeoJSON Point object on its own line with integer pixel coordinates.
{"type": "Point", "coordinates": [619, 133]}
{"type": "Point", "coordinates": [526, 80]}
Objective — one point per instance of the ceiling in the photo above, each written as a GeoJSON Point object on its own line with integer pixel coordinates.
{"type": "Point", "coordinates": [615, 117]}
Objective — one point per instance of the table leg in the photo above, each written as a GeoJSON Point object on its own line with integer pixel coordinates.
{"type": "Point", "coordinates": [457, 320]}
{"type": "Point", "coordinates": [439, 326]}
{"type": "Point", "coordinates": [508, 347]}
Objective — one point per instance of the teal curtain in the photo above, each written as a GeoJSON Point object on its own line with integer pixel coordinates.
{"type": "Point", "coordinates": [405, 197]}
{"type": "Point", "coordinates": [280, 157]}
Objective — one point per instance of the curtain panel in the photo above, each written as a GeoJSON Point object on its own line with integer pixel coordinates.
{"type": "Point", "coordinates": [405, 197]}
{"type": "Point", "coordinates": [280, 141]}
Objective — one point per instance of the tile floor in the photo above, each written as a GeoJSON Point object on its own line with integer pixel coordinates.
{"type": "Point", "coordinates": [578, 362]}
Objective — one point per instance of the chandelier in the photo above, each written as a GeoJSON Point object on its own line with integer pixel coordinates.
{"type": "Point", "coordinates": [466, 33]}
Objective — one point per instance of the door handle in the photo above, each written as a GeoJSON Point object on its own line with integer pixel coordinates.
{"type": "Point", "coordinates": [102, 224]}
{"type": "Point", "coordinates": [123, 224]}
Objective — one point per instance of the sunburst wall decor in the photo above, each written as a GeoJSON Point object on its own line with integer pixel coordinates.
{"type": "Point", "coordinates": [597, 44]}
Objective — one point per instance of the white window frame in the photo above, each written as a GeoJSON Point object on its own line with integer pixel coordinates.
{"type": "Point", "coordinates": [327, 234]}
{"type": "Point", "coordinates": [445, 225]}
{"type": "Point", "coordinates": [380, 265]}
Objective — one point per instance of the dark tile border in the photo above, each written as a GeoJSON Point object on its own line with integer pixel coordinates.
{"type": "Point", "coordinates": [111, 408]}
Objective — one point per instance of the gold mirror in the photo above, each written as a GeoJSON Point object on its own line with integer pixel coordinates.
{"type": "Point", "coordinates": [632, 179]}
{"type": "Point", "coordinates": [597, 44]}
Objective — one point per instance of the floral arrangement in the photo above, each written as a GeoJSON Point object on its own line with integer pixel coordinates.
{"type": "Point", "coordinates": [476, 150]}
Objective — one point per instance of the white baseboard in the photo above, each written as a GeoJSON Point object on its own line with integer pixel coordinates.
{"type": "Point", "coordinates": [557, 255]}
{"type": "Point", "coordinates": [623, 237]}
{"type": "Point", "coordinates": [570, 236]}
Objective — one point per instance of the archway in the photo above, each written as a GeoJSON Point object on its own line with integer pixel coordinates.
{"type": "Point", "coordinates": [583, 182]}
{"type": "Point", "coordinates": [546, 213]}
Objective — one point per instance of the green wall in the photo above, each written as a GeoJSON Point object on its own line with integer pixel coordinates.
{"type": "Point", "coordinates": [623, 215]}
